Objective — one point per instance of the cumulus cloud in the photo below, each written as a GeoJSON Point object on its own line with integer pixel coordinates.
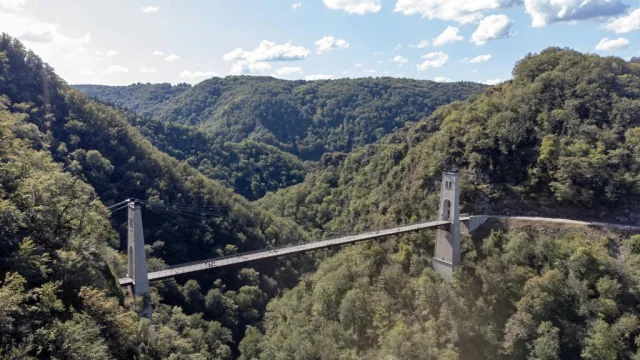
{"type": "Point", "coordinates": [197, 74]}
{"type": "Point", "coordinates": [112, 69]}
{"type": "Point", "coordinates": [398, 47]}
{"type": "Point", "coordinates": [491, 82]}
{"type": "Point", "coordinates": [269, 51]}
{"type": "Point", "coordinates": [613, 44]}
{"type": "Point", "coordinates": [449, 35]}
{"type": "Point", "coordinates": [399, 59]}
{"type": "Point", "coordinates": [433, 60]}
{"type": "Point", "coordinates": [378, 53]}
{"type": "Point", "coordinates": [318, 77]}
{"type": "Point", "coordinates": [296, 5]}
{"type": "Point", "coordinates": [172, 57]}
{"type": "Point", "coordinates": [544, 12]}
{"type": "Point", "coordinates": [491, 28]}
{"type": "Point", "coordinates": [441, 79]}
{"type": "Point", "coordinates": [150, 9]}
{"type": "Point", "coordinates": [67, 52]}
{"type": "Point", "coordinates": [111, 53]}
{"type": "Point", "coordinates": [477, 59]}
{"type": "Point", "coordinates": [369, 71]}
{"type": "Point", "coordinates": [420, 45]}
{"type": "Point", "coordinates": [289, 70]}
{"type": "Point", "coordinates": [158, 53]}
{"type": "Point", "coordinates": [358, 65]}
{"type": "Point", "coordinates": [462, 11]}
{"type": "Point", "coordinates": [12, 5]}
{"type": "Point", "coordinates": [359, 7]}
{"type": "Point", "coordinates": [245, 67]}
{"type": "Point", "coordinates": [45, 37]}
{"type": "Point", "coordinates": [328, 43]}
{"type": "Point", "coordinates": [146, 70]}
{"type": "Point", "coordinates": [625, 24]}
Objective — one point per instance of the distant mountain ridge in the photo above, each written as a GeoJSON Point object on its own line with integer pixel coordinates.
{"type": "Point", "coordinates": [304, 118]}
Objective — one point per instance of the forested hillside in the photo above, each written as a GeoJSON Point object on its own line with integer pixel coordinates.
{"type": "Point", "coordinates": [62, 157]}
{"type": "Point", "coordinates": [250, 168]}
{"type": "Point", "coordinates": [563, 134]}
{"type": "Point", "coordinates": [560, 138]}
{"type": "Point", "coordinates": [300, 117]}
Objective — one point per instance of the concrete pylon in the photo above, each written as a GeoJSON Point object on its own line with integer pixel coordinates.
{"type": "Point", "coordinates": [447, 253]}
{"type": "Point", "coordinates": [137, 259]}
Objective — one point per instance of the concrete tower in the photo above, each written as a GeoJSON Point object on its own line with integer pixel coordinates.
{"type": "Point", "coordinates": [447, 252]}
{"type": "Point", "coordinates": [137, 259]}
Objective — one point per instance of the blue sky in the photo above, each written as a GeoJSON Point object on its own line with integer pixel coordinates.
{"type": "Point", "coordinates": [121, 42]}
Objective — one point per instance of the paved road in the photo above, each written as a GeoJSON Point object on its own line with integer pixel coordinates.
{"type": "Point", "coordinates": [287, 250]}
{"type": "Point", "coordinates": [567, 221]}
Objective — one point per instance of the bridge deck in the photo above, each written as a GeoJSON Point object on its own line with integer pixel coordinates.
{"type": "Point", "coordinates": [287, 250]}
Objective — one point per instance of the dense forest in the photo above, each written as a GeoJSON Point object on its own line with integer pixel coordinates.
{"type": "Point", "coordinates": [305, 118]}
{"type": "Point", "coordinates": [63, 157]}
{"type": "Point", "coordinates": [250, 168]}
{"type": "Point", "coordinates": [562, 136]}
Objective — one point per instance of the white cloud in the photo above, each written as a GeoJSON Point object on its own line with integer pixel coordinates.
{"type": "Point", "coordinates": [474, 71]}
{"type": "Point", "coordinates": [12, 5]}
{"type": "Point", "coordinates": [111, 53]}
{"type": "Point", "coordinates": [449, 35]}
{"type": "Point", "coordinates": [358, 65]}
{"type": "Point", "coordinates": [296, 5]}
{"type": "Point", "coordinates": [45, 37]}
{"type": "Point", "coordinates": [197, 74]}
{"type": "Point", "coordinates": [329, 42]}
{"type": "Point", "coordinates": [477, 59]}
{"type": "Point", "coordinates": [613, 44]}
{"type": "Point", "coordinates": [269, 51]}
{"type": "Point", "coordinates": [369, 71]}
{"type": "Point", "coordinates": [318, 77]}
{"type": "Point", "coordinates": [245, 67]}
{"type": "Point", "coordinates": [399, 59]}
{"type": "Point", "coordinates": [441, 79]}
{"type": "Point", "coordinates": [86, 72]}
{"type": "Point", "coordinates": [379, 62]}
{"type": "Point", "coordinates": [172, 57]}
{"type": "Point", "coordinates": [491, 28]}
{"type": "Point", "coordinates": [147, 70]}
{"type": "Point", "coordinates": [112, 69]}
{"type": "Point", "coordinates": [359, 7]}
{"type": "Point", "coordinates": [420, 45]}
{"type": "Point", "coordinates": [625, 24]}
{"type": "Point", "coordinates": [289, 70]}
{"type": "Point", "coordinates": [378, 53]}
{"type": "Point", "coordinates": [398, 47]}
{"type": "Point", "coordinates": [544, 12]}
{"type": "Point", "coordinates": [433, 60]}
{"type": "Point", "coordinates": [150, 9]}
{"type": "Point", "coordinates": [158, 53]}
{"type": "Point", "coordinates": [462, 11]}
{"type": "Point", "coordinates": [491, 82]}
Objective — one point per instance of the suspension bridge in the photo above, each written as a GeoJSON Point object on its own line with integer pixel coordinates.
{"type": "Point", "coordinates": [448, 226]}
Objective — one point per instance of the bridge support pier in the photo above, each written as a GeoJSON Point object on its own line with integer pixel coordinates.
{"type": "Point", "coordinates": [447, 252]}
{"type": "Point", "coordinates": [137, 260]}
